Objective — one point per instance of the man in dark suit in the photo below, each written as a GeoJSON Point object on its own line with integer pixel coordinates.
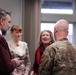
{"type": "Point", "coordinates": [7, 64]}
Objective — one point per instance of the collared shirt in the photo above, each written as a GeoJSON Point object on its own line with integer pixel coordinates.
{"type": "Point", "coordinates": [21, 51]}
{"type": "Point", "coordinates": [0, 32]}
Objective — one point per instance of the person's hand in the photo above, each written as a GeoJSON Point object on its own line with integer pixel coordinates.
{"type": "Point", "coordinates": [32, 73]}
{"type": "Point", "coordinates": [18, 62]}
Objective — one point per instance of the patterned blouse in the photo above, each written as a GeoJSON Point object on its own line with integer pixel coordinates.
{"type": "Point", "coordinates": [20, 51]}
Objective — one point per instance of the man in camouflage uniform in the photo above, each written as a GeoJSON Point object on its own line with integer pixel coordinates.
{"type": "Point", "coordinates": [60, 57]}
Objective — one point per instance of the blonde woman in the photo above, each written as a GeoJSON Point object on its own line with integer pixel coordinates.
{"type": "Point", "coordinates": [19, 49]}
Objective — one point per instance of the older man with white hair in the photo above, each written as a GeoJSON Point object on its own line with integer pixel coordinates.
{"type": "Point", "coordinates": [60, 57]}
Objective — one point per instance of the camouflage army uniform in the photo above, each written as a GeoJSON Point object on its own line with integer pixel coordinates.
{"type": "Point", "coordinates": [59, 59]}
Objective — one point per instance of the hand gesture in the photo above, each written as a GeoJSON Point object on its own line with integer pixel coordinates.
{"type": "Point", "coordinates": [18, 62]}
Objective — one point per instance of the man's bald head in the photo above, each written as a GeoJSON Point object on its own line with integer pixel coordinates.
{"type": "Point", "coordinates": [61, 28]}
{"type": "Point", "coordinates": [62, 24]}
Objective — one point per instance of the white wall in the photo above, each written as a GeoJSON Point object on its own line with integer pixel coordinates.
{"type": "Point", "coordinates": [15, 7]}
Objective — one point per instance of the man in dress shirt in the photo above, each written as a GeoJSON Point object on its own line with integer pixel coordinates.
{"type": "Point", "coordinates": [7, 65]}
